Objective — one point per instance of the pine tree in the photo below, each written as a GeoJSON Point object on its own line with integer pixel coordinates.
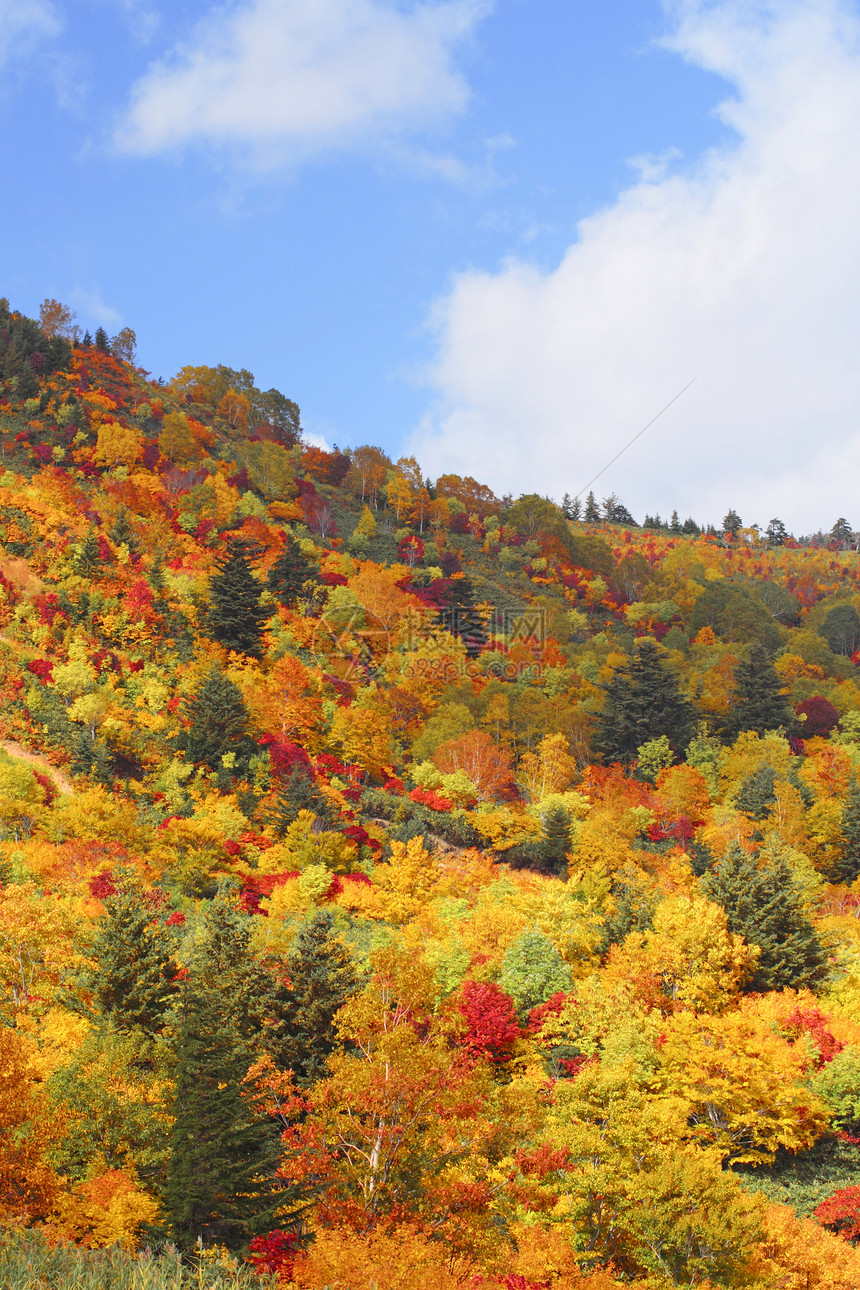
{"type": "Point", "coordinates": [89, 557]}
{"type": "Point", "coordinates": [217, 722]}
{"type": "Point", "coordinates": [763, 905]}
{"type": "Point", "coordinates": [841, 630]}
{"type": "Point", "coordinates": [298, 792]}
{"type": "Point", "coordinates": [236, 616]}
{"type": "Point", "coordinates": [221, 1183]}
{"type": "Point", "coordinates": [320, 977]}
{"type": "Point", "coordinates": [732, 524]}
{"type": "Point", "coordinates": [846, 866]}
{"type": "Point", "coordinates": [674, 523]}
{"type": "Point", "coordinates": [122, 534]}
{"type": "Point", "coordinates": [756, 794]}
{"type": "Point", "coordinates": [642, 703]}
{"type": "Point", "coordinates": [556, 840]}
{"type": "Point", "coordinates": [102, 340]}
{"type": "Point", "coordinates": [758, 704]}
{"type": "Point", "coordinates": [133, 975]}
{"type": "Point", "coordinates": [592, 511]}
{"type": "Point", "coordinates": [289, 574]}
{"type": "Point", "coordinates": [461, 618]}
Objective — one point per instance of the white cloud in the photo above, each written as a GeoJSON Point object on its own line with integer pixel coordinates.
{"type": "Point", "coordinates": [743, 268]}
{"type": "Point", "coordinates": [284, 78]}
{"type": "Point", "coordinates": [95, 309]}
{"type": "Point", "coordinates": [23, 22]}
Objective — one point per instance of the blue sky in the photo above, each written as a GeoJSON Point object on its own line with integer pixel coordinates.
{"type": "Point", "coordinates": [426, 223]}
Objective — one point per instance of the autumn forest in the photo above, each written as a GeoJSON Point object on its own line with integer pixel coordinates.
{"type": "Point", "coordinates": [403, 887]}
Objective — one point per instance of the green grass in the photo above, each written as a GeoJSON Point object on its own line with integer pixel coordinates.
{"type": "Point", "coordinates": [28, 1262]}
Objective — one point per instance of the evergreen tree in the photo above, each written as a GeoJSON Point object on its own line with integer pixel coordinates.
{"type": "Point", "coordinates": [556, 840]}
{"type": "Point", "coordinates": [732, 524]}
{"type": "Point", "coordinates": [763, 905]}
{"type": "Point", "coordinates": [634, 906]}
{"type": "Point", "coordinates": [846, 866]}
{"type": "Point", "coordinates": [320, 977]}
{"type": "Point", "coordinates": [758, 704]}
{"type": "Point", "coordinates": [642, 703]}
{"type": "Point", "coordinates": [842, 533]}
{"type": "Point", "coordinates": [461, 618]}
{"type": "Point", "coordinates": [289, 574]}
{"type": "Point", "coordinates": [122, 534]}
{"type": "Point", "coordinates": [221, 1183]}
{"type": "Point", "coordinates": [236, 616]}
{"type": "Point", "coordinates": [674, 523]}
{"type": "Point", "coordinates": [756, 794]}
{"type": "Point", "coordinates": [298, 792]}
{"type": "Point", "coordinates": [690, 527]}
{"type": "Point", "coordinates": [88, 560]}
{"type": "Point", "coordinates": [133, 975]}
{"type": "Point", "coordinates": [102, 340]}
{"type": "Point", "coordinates": [776, 533]}
{"type": "Point", "coordinates": [592, 511]}
{"type": "Point", "coordinates": [217, 722]}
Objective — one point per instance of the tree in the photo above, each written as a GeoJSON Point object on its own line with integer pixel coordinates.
{"type": "Point", "coordinates": [756, 794]}
{"type": "Point", "coordinates": [57, 319]}
{"type": "Point", "coordinates": [776, 533]}
{"type": "Point", "coordinates": [732, 524]}
{"type": "Point", "coordinates": [763, 905]}
{"type": "Point", "coordinates": [842, 533]}
{"type": "Point", "coordinates": [532, 971]}
{"type": "Point", "coordinates": [102, 341]}
{"type": "Point", "coordinates": [133, 975]}
{"type": "Point", "coordinates": [642, 703]}
{"type": "Point", "coordinates": [175, 440]}
{"type": "Point", "coordinates": [221, 1177]}
{"type": "Point", "coordinates": [217, 722]}
{"type": "Point", "coordinates": [592, 512]}
{"type": "Point", "coordinates": [819, 716]}
{"type": "Point", "coordinates": [289, 574]}
{"type": "Point", "coordinates": [236, 616]}
{"type": "Point", "coordinates": [318, 979]}
{"type": "Point", "coordinates": [124, 345]}
{"type": "Point", "coordinates": [88, 559]}
{"type": "Point", "coordinates": [758, 703]}
{"type": "Point", "coordinates": [841, 630]}
{"type": "Point", "coordinates": [846, 866]}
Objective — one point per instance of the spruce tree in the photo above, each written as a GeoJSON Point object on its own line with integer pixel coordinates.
{"type": "Point", "coordinates": [556, 840]}
{"type": "Point", "coordinates": [89, 557]}
{"type": "Point", "coordinates": [320, 977]}
{"type": "Point", "coordinates": [102, 340]}
{"type": "Point", "coordinates": [133, 975]}
{"type": "Point", "coordinates": [841, 630]}
{"type": "Point", "coordinates": [236, 616]}
{"type": "Point", "coordinates": [297, 792]}
{"type": "Point", "coordinates": [289, 574]}
{"type": "Point", "coordinates": [756, 794]}
{"type": "Point", "coordinates": [592, 511]}
{"type": "Point", "coordinates": [642, 703]}
{"type": "Point", "coordinates": [845, 867]}
{"type": "Point", "coordinates": [763, 905]}
{"type": "Point", "coordinates": [221, 1183]}
{"type": "Point", "coordinates": [461, 618]}
{"type": "Point", "coordinates": [217, 722]}
{"type": "Point", "coordinates": [122, 534]}
{"type": "Point", "coordinates": [758, 704]}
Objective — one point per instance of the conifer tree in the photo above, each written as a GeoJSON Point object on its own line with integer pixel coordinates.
{"type": "Point", "coordinates": [289, 574]}
{"type": "Point", "coordinates": [763, 905]}
{"type": "Point", "coordinates": [236, 616]}
{"type": "Point", "coordinates": [221, 1182]}
{"type": "Point", "coordinates": [758, 704]}
{"type": "Point", "coordinates": [461, 618]}
{"type": "Point", "coordinates": [133, 975]}
{"type": "Point", "coordinates": [556, 840]}
{"type": "Point", "coordinates": [298, 792]}
{"type": "Point", "coordinates": [592, 510]}
{"type": "Point", "coordinates": [846, 866]}
{"type": "Point", "coordinates": [642, 703]}
{"type": "Point", "coordinates": [320, 977]}
{"type": "Point", "coordinates": [89, 557]}
{"type": "Point", "coordinates": [756, 793]}
{"type": "Point", "coordinates": [102, 340]}
{"type": "Point", "coordinates": [122, 534]}
{"type": "Point", "coordinates": [217, 722]}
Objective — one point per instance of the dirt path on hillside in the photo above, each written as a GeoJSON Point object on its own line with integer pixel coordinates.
{"type": "Point", "coordinates": [61, 781]}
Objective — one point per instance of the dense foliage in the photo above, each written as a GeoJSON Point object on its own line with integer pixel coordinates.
{"type": "Point", "coordinates": [405, 886]}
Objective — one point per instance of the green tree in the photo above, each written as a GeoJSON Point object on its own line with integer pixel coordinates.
{"type": "Point", "coordinates": [122, 534]}
{"type": "Point", "coordinates": [642, 703]}
{"type": "Point", "coordinates": [732, 524]}
{"type": "Point", "coordinates": [763, 905]}
{"type": "Point", "coordinates": [289, 573]}
{"type": "Point", "coordinates": [88, 559]}
{"type": "Point", "coordinates": [841, 630]}
{"type": "Point", "coordinates": [236, 616]}
{"type": "Point", "coordinates": [217, 722]}
{"type": "Point", "coordinates": [758, 704]}
{"type": "Point", "coordinates": [297, 792]}
{"type": "Point", "coordinates": [318, 978]}
{"type": "Point", "coordinates": [221, 1183]}
{"type": "Point", "coordinates": [132, 979]}
{"type": "Point", "coordinates": [592, 510]}
{"type": "Point", "coordinates": [533, 971]}
{"type": "Point", "coordinates": [776, 533]}
{"type": "Point", "coordinates": [102, 340]}
{"type": "Point", "coordinates": [842, 532]}
{"type": "Point", "coordinates": [845, 867]}
{"type": "Point", "coordinates": [756, 794]}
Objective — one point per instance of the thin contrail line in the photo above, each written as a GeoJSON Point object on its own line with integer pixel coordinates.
{"type": "Point", "coordinates": [637, 436]}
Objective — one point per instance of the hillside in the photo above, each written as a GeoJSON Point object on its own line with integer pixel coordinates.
{"type": "Point", "coordinates": [403, 882]}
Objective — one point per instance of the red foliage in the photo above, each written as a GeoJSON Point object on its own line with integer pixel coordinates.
{"type": "Point", "coordinates": [491, 1019]}
{"type": "Point", "coordinates": [539, 1162]}
{"type": "Point", "coordinates": [42, 668]}
{"type": "Point", "coordinates": [49, 608]}
{"type": "Point", "coordinates": [814, 1024]}
{"type": "Point", "coordinates": [681, 831]}
{"type": "Point", "coordinates": [427, 797]}
{"type": "Point", "coordinates": [393, 785]}
{"type": "Point", "coordinates": [103, 886]}
{"type": "Point", "coordinates": [361, 879]}
{"type": "Point", "coordinates": [287, 757]}
{"type": "Point", "coordinates": [552, 1007]}
{"type": "Point", "coordinates": [176, 919]}
{"type": "Point", "coordinates": [274, 1253]}
{"type": "Point", "coordinates": [841, 1213]}
{"type": "Point", "coordinates": [820, 716]}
